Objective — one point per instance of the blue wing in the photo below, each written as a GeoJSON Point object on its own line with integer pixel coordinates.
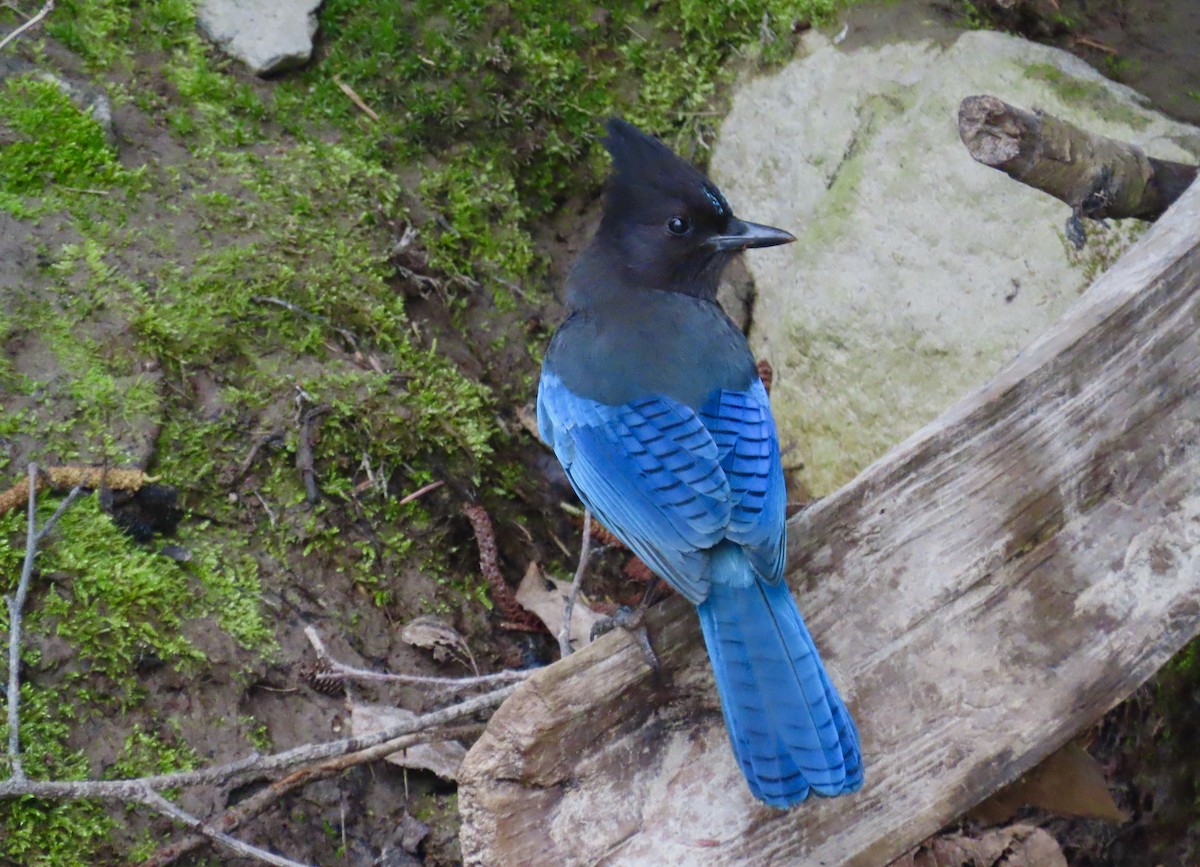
{"type": "Point", "coordinates": [743, 428]}
{"type": "Point", "coordinates": [672, 483]}
{"type": "Point", "coordinates": [649, 471]}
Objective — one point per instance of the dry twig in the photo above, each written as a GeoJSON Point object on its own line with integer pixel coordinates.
{"type": "Point", "coordinates": [420, 492]}
{"type": "Point", "coordinates": [304, 454]}
{"type": "Point", "coordinates": [159, 804]}
{"type": "Point", "coordinates": [146, 790]}
{"type": "Point", "coordinates": [1092, 43]}
{"type": "Point", "coordinates": [16, 607]}
{"type": "Point", "coordinates": [46, 9]}
{"type": "Point", "coordinates": [455, 683]}
{"type": "Point", "coordinates": [564, 634]}
{"type": "Point", "coordinates": [346, 335]}
{"type": "Point", "coordinates": [355, 98]}
{"type": "Point", "coordinates": [250, 766]}
{"type": "Point", "coordinates": [262, 800]}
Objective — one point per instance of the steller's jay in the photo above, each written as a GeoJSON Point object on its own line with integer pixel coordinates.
{"type": "Point", "coordinates": [650, 398]}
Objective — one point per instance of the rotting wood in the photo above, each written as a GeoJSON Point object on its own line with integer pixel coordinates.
{"type": "Point", "coordinates": [982, 592]}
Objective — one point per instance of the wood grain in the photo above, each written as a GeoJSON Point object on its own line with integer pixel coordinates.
{"type": "Point", "coordinates": [988, 588]}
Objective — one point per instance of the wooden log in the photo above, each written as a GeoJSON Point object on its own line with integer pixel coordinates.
{"type": "Point", "coordinates": [981, 593]}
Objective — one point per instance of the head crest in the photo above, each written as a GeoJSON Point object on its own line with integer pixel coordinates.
{"type": "Point", "coordinates": [639, 158]}
{"type": "Point", "coordinates": [645, 167]}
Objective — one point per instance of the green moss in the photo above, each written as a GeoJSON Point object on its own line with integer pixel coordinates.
{"type": "Point", "coordinates": [97, 30]}
{"type": "Point", "coordinates": [147, 753]}
{"type": "Point", "coordinates": [49, 143]}
{"type": "Point", "coordinates": [117, 605]}
{"type": "Point", "coordinates": [1106, 243]}
{"type": "Point", "coordinates": [479, 201]}
{"type": "Point", "coordinates": [845, 178]}
{"type": "Point", "coordinates": [1092, 94]}
{"type": "Point", "coordinates": [48, 833]}
{"type": "Point", "coordinates": [268, 289]}
{"type": "Point", "coordinates": [515, 94]}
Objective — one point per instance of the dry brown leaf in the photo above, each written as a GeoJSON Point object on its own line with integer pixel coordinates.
{"type": "Point", "coordinates": [437, 636]}
{"type": "Point", "coordinates": [546, 597]}
{"type": "Point", "coordinates": [1067, 783]}
{"type": "Point", "coordinates": [1014, 846]}
{"type": "Point", "coordinates": [442, 757]}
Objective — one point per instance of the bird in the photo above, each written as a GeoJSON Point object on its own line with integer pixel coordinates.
{"type": "Point", "coordinates": [650, 398]}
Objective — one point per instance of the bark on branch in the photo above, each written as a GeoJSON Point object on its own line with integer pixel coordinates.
{"type": "Point", "coordinates": [1097, 176]}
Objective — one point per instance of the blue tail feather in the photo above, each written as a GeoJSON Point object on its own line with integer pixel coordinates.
{"type": "Point", "coordinates": [789, 729]}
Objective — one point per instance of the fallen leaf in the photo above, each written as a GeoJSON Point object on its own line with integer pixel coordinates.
{"type": "Point", "coordinates": [1067, 783]}
{"type": "Point", "coordinates": [439, 637]}
{"type": "Point", "coordinates": [546, 597]}
{"type": "Point", "coordinates": [1014, 846]}
{"type": "Point", "coordinates": [441, 757]}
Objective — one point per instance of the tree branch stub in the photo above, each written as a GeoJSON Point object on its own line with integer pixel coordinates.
{"type": "Point", "coordinates": [1097, 176]}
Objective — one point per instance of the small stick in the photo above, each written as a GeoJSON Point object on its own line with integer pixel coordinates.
{"type": "Point", "coordinates": [266, 508]}
{"type": "Point", "coordinates": [420, 492]}
{"type": "Point", "coordinates": [304, 454]}
{"type": "Point", "coordinates": [1092, 43]}
{"type": "Point", "coordinates": [159, 804]}
{"type": "Point", "coordinates": [16, 606]}
{"type": "Point", "coordinates": [346, 335]}
{"type": "Point", "coordinates": [564, 633]}
{"type": "Point", "coordinates": [46, 9]}
{"type": "Point", "coordinates": [260, 801]}
{"type": "Point", "coordinates": [343, 670]}
{"type": "Point", "coordinates": [255, 447]}
{"type": "Point", "coordinates": [85, 190]}
{"type": "Point", "coordinates": [124, 790]}
{"type": "Point", "coordinates": [356, 99]}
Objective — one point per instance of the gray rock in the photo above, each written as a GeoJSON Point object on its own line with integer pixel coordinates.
{"type": "Point", "coordinates": [918, 273]}
{"type": "Point", "coordinates": [90, 99]}
{"type": "Point", "coordinates": [736, 293]}
{"type": "Point", "coordinates": [87, 97]}
{"type": "Point", "coordinates": [267, 35]}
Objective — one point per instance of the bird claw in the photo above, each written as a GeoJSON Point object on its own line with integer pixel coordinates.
{"type": "Point", "coordinates": [632, 622]}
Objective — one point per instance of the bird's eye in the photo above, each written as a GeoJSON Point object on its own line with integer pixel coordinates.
{"type": "Point", "coordinates": [678, 226]}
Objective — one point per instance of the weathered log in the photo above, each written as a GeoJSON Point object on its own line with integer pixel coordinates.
{"type": "Point", "coordinates": [981, 593]}
{"type": "Point", "coordinates": [1097, 176]}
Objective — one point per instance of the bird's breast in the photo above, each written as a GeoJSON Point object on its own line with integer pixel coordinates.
{"type": "Point", "coordinates": [665, 344]}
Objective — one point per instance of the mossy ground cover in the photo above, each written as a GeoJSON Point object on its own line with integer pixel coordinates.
{"type": "Point", "coordinates": [229, 264]}
{"type": "Point", "coordinates": [189, 291]}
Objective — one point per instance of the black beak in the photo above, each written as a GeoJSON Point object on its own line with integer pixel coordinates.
{"type": "Point", "coordinates": [741, 235]}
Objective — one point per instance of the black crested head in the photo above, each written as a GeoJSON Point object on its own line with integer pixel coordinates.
{"type": "Point", "coordinates": [665, 225]}
{"type": "Point", "coordinates": [648, 177]}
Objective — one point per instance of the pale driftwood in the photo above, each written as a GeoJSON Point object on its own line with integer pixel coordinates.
{"type": "Point", "coordinates": [1097, 176]}
{"type": "Point", "coordinates": [981, 593]}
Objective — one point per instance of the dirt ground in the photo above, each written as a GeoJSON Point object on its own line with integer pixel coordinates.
{"type": "Point", "coordinates": [379, 814]}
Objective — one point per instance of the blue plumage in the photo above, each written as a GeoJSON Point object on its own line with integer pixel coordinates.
{"type": "Point", "coordinates": [651, 401]}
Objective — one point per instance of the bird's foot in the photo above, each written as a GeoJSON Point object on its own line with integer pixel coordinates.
{"type": "Point", "coordinates": [632, 621]}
